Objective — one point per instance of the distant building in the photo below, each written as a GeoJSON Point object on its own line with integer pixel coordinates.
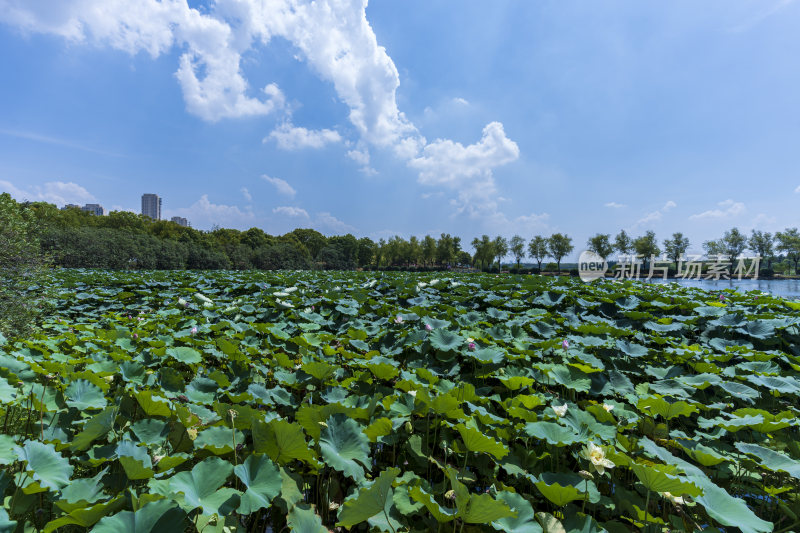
{"type": "Point", "coordinates": [95, 209]}
{"type": "Point", "coordinates": [151, 206]}
{"type": "Point", "coordinates": [181, 221]}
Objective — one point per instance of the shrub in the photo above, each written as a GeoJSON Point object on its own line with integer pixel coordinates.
{"type": "Point", "coordinates": [21, 269]}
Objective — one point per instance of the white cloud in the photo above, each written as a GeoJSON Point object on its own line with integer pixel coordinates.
{"type": "Point", "coordinates": [289, 137]}
{"type": "Point", "coordinates": [280, 185]}
{"type": "Point", "coordinates": [290, 211]}
{"type": "Point", "coordinates": [797, 190]}
{"type": "Point", "coordinates": [333, 37]}
{"type": "Point", "coordinates": [205, 214]}
{"type": "Point", "coordinates": [325, 221]}
{"type": "Point", "coordinates": [728, 208]}
{"type": "Point", "coordinates": [467, 169]}
{"type": "Point", "coordinates": [209, 72]}
{"type": "Point", "coordinates": [246, 194]}
{"type": "Point", "coordinates": [655, 216]}
{"type": "Point", "coordinates": [54, 192]}
{"type": "Point", "coordinates": [614, 205]}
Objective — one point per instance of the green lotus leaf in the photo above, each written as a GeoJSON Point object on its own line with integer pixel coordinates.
{"type": "Point", "coordinates": [728, 510]}
{"type": "Point", "coordinates": [667, 410]}
{"type": "Point", "coordinates": [303, 520]}
{"type": "Point", "coordinates": [559, 494]}
{"type": "Point", "coordinates": [8, 393]}
{"type": "Point", "coordinates": [219, 440]}
{"type": "Point", "coordinates": [200, 487]}
{"type": "Point", "coordinates": [281, 440]}
{"type": "Point", "coordinates": [445, 340]}
{"type": "Point", "coordinates": [441, 514]}
{"type": "Point", "coordinates": [184, 354]}
{"type": "Point", "coordinates": [48, 467]}
{"type": "Point", "coordinates": [150, 431]}
{"type": "Point", "coordinates": [87, 516]}
{"type": "Point", "coordinates": [154, 517]}
{"type": "Point", "coordinates": [83, 395]}
{"type": "Point", "coordinates": [6, 524]}
{"type": "Point", "coordinates": [263, 481]}
{"type": "Point", "coordinates": [654, 478]}
{"type": "Point", "coordinates": [475, 441]}
{"type": "Point", "coordinates": [523, 522]}
{"type": "Point", "coordinates": [631, 349]}
{"type": "Point", "coordinates": [551, 432]}
{"type": "Point", "coordinates": [369, 501]}
{"type": "Point", "coordinates": [771, 459]}
{"type": "Point", "coordinates": [344, 446]}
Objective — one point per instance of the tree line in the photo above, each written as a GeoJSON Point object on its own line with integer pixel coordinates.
{"type": "Point", "coordinates": [123, 240]}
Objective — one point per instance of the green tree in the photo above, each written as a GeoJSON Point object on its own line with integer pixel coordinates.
{"type": "Point", "coordinates": [761, 243]}
{"type": "Point", "coordinates": [21, 267]}
{"type": "Point", "coordinates": [560, 246]}
{"type": "Point", "coordinates": [538, 250]}
{"type": "Point", "coordinates": [517, 247]}
{"type": "Point", "coordinates": [623, 243]}
{"type": "Point", "coordinates": [313, 240]}
{"type": "Point", "coordinates": [676, 247]}
{"type": "Point", "coordinates": [646, 247]}
{"type": "Point", "coordinates": [366, 252]}
{"type": "Point", "coordinates": [484, 251]}
{"type": "Point", "coordinates": [601, 245]}
{"type": "Point", "coordinates": [734, 243]}
{"type": "Point", "coordinates": [500, 246]}
{"type": "Point", "coordinates": [428, 250]}
{"type": "Point", "coordinates": [789, 243]}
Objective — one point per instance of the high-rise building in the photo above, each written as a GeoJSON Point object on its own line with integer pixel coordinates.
{"type": "Point", "coordinates": [95, 209]}
{"type": "Point", "coordinates": [151, 206]}
{"type": "Point", "coordinates": [181, 221]}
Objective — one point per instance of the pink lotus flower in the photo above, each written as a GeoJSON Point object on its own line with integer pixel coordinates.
{"type": "Point", "coordinates": [135, 336]}
{"type": "Point", "coordinates": [565, 344]}
{"type": "Point", "coordinates": [194, 330]}
{"type": "Point", "coordinates": [471, 346]}
{"type": "Point", "coordinates": [129, 317]}
{"type": "Point", "coordinates": [428, 327]}
{"type": "Point", "coordinates": [721, 297]}
{"type": "Point", "coordinates": [398, 319]}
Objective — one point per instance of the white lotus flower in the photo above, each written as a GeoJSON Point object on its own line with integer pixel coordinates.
{"type": "Point", "coordinates": [597, 456]}
{"type": "Point", "coordinates": [608, 407]}
{"type": "Point", "coordinates": [398, 319]}
{"type": "Point", "coordinates": [560, 410]}
{"type": "Point", "coordinates": [413, 393]}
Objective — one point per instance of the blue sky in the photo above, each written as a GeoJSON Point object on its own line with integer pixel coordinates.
{"type": "Point", "coordinates": [410, 118]}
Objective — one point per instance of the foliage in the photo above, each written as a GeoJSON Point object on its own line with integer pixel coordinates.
{"type": "Point", "coordinates": [21, 268]}
{"type": "Point", "coordinates": [237, 401]}
{"type": "Point", "coordinates": [559, 246]}
{"type": "Point", "coordinates": [601, 245]}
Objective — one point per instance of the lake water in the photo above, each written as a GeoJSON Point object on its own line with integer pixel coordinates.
{"type": "Point", "coordinates": [785, 288]}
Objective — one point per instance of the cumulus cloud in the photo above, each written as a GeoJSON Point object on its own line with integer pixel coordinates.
{"type": "Point", "coordinates": [333, 37]}
{"type": "Point", "coordinates": [206, 214]}
{"type": "Point", "coordinates": [727, 208]}
{"type": "Point", "coordinates": [54, 192]}
{"type": "Point", "coordinates": [289, 137]}
{"type": "Point", "coordinates": [290, 211]}
{"type": "Point", "coordinates": [467, 169]}
{"type": "Point", "coordinates": [282, 186]}
{"type": "Point", "coordinates": [614, 205]}
{"type": "Point", "coordinates": [655, 216]}
{"type": "Point", "coordinates": [326, 222]}
{"type": "Point", "coordinates": [246, 194]}
{"type": "Point", "coordinates": [209, 68]}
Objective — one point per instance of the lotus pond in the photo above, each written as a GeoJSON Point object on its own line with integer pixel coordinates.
{"type": "Point", "coordinates": [312, 402]}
